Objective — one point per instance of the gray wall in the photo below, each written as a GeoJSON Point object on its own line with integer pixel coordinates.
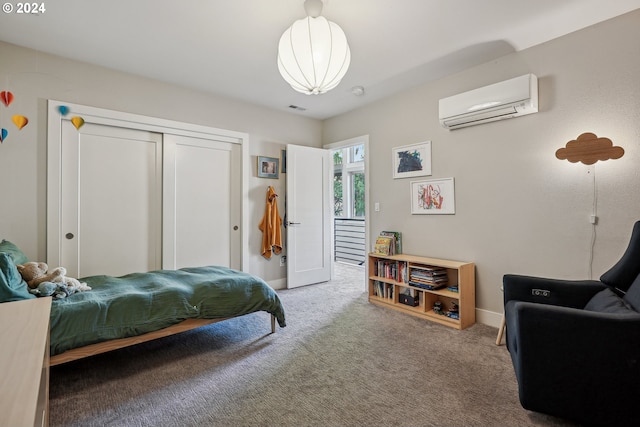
{"type": "Point", "coordinates": [34, 77]}
{"type": "Point", "coordinates": [518, 208]}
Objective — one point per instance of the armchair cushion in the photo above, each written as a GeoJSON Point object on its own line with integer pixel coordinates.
{"type": "Point", "coordinates": [607, 301]}
{"type": "Point", "coordinates": [632, 297]}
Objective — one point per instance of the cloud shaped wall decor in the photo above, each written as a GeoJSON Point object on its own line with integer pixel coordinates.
{"type": "Point", "coordinates": [588, 148]}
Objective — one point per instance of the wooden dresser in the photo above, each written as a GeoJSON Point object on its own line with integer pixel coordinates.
{"type": "Point", "coordinates": [24, 362]}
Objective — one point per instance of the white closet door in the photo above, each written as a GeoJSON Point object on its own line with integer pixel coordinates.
{"type": "Point", "coordinates": [111, 180]}
{"type": "Point", "coordinates": [202, 202]}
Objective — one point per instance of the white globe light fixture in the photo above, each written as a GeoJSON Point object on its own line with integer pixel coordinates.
{"type": "Point", "coordinates": [313, 54]}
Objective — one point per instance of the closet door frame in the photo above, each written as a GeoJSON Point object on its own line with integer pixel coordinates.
{"type": "Point", "coordinates": [131, 121]}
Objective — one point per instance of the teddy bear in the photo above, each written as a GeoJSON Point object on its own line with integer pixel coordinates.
{"type": "Point", "coordinates": [35, 273]}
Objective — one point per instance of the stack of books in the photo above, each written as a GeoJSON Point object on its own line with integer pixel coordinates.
{"type": "Point", "coordinates": [428, 277]}
{"type": "Point", "coordinates": [388, 243]}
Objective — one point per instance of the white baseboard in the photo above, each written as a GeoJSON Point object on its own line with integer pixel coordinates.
{"type": "Point", "coordinates": [278, 284]}
{"type": "Point", "coordinates": [487, 317]}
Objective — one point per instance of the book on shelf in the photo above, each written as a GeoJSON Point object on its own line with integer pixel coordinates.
{"type": "Point", "coordinates": [378, 289]}
{"type": "Point", "coordinates": [397, 236]}
{"type": "Point", "coordinates": [402, 272]}
{"type": "Point", "coordinates": [427, 286]}
{"type": "Point", "coordinates": [428, 277]}
{"type": "Point", "coordinates": [385, 245]}
{"type": "Point", "coordinates": [382, 290]}
{"type": "Point", "coordinates": [411, 292]}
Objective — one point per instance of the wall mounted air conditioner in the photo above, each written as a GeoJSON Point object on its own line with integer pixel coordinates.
{"type": "Point", "coordinates": [510, 98]}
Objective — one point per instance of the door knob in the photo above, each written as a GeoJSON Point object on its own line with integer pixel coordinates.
{"type": "Point", "coordinates": [69, 236]}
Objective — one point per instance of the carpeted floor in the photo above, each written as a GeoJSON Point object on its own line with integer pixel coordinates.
{"type": "Point", "coordinates": [340, 362]}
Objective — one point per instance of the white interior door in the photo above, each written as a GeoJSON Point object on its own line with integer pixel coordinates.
{"type": "Point", "coordinates": [111, 200]}
{"type": "Point", "coordinates": [202, 202]}
{"type": "Point", "coordinates": [308, 215]}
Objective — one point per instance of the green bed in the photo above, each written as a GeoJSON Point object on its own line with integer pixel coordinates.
{"type": "Point", "coordinates": [142, 303]}
{"type": "Point", "coordinates": [123, 311]}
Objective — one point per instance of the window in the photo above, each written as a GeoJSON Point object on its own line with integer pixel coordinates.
{"type": "Point", "coordinates": [348, 182]}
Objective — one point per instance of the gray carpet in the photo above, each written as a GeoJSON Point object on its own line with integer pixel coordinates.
{"type": "Point", "coordinates": [340, 362]}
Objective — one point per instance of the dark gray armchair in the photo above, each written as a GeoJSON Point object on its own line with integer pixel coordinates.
{"type": "Point", "coordinates": [575, 344]}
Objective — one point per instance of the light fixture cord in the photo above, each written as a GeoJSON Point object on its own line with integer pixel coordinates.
{"type": "Point", "coordinates": [594, 212]}
{"type": "Point", "coordinates": [313, 8]}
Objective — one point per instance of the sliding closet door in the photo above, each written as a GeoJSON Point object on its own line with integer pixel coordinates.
{"type": "Point", "coordinates": [132, 193]}
{"type": "Point", "coordinates": [202, 202]}
{"type": "Point", "coordinates": [111, 200]}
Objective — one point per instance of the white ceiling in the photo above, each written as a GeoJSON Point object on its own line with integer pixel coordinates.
{"type": "Point", "coordinates": [229, 47]}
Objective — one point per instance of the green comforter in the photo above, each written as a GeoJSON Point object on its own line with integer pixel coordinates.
{"type": "Point", "coordinates": [138, 303]}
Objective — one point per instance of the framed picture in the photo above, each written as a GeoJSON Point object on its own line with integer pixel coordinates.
{"type": "Point", "coordinates": [412, 160]}
{"type": "Point", "coordinates": [268, 167]}
{"type": "Point", "coordinates": [433, 196]}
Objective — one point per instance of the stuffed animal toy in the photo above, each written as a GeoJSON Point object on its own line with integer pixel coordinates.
{"type": "Point", "coordinates": [35, 273]}
{"type": "Point", "coordinates": [50, 289]}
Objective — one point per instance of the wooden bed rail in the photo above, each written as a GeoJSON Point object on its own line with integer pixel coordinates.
{"type": "Point", "coordinates": [103, 347]}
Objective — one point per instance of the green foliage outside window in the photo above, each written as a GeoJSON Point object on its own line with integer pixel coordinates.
{"type": "Point", "coordinates": [348, 166]}
{"type": "Point", "coordinates": [358, 194]}
{"type": "Point", "coordinates": [337, 157]}
{"type": "Point", "coordinates": [338, 209]}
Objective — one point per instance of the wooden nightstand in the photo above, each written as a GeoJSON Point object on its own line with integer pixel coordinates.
{"type": "Point", "coordinates": [24, 362]}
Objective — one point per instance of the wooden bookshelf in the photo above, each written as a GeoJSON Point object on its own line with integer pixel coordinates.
{"type": "Point", "coordinates": [389, 280]}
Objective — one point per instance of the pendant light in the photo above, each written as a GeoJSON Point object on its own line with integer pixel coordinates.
{"type": "Point", "coordinates": [313, 54]}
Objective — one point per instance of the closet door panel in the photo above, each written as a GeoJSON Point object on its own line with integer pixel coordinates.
{"type": "Point", "coordinates": [111, 200]}
{"type": "Point", "coordinates": [202, 194]}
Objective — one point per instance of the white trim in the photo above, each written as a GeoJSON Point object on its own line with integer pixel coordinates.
{"type": "Point", "coordinates": [132, 121]}
{"type": "Point", "coordinates": [246, 169]}
{"type": "Point", "coordinates": [137, 121]}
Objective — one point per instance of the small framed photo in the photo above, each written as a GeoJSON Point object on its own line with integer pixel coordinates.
{"type": "Point", "coordinates": [433, 197]}
{"type": "Point", "coordinates": [412, 160]}
{"type": "Point", "coordinates": [268, 167]}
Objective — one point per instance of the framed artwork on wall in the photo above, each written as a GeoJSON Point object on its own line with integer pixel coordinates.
{"type": "Point", "coordinates": [433, 197]}
{"type": "Point", "coordinates": [412, 160]}
{"type": "Point", "coordinates": [268, 167]}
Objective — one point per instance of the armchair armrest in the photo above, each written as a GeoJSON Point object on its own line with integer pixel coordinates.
{"type": "Point", "coordinates": [565, 293]}
{"type": "Point", "coordinates": [561, 331]}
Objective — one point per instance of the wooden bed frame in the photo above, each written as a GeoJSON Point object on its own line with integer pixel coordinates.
{"type": "Point", "coordinates": [103, 347]}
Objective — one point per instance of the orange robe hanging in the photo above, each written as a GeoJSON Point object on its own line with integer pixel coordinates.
{"type": "Point", "coordinates": [270, 226]}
